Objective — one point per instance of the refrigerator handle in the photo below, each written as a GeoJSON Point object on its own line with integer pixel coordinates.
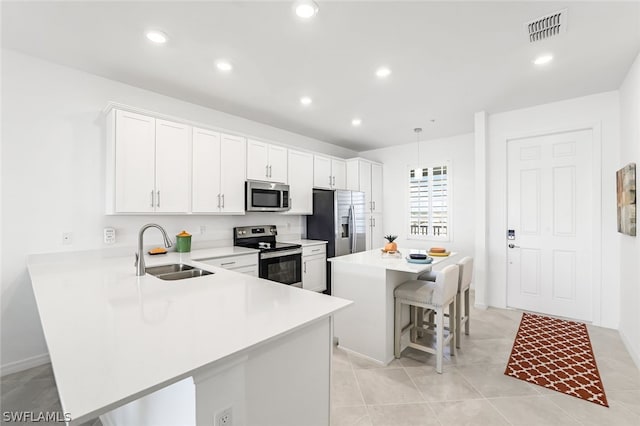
{"type": "Point", "coordinates": [352, 229]}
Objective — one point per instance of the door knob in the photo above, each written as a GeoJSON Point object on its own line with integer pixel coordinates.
{"type": "Point", "coordinates": [513, 246]}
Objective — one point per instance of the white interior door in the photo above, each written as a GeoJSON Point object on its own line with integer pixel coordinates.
{"type": "Point", "coordinates": [550, 209]}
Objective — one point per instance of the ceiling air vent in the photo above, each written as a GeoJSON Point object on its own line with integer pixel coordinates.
{"type": "Point", "coordinates": [547, 26]}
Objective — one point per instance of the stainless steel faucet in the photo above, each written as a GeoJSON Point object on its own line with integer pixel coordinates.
{"type": "Point", "coordinates": [140, 267]}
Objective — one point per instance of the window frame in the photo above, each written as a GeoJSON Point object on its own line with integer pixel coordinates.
{"type": "Point", "coordinates": [407, 204]}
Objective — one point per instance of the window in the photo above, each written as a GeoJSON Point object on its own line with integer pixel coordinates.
{"type": "Point", "coordinates": [429, 202]}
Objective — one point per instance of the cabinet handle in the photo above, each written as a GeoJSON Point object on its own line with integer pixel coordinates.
{"type": "Point", "coordinates": [305, 267]}
{"type": "Point", "coordinates": [374, 205]}
{"type": "Point", "coordinates": [227, 263]}
{"type": "Point", "coordinates": [270, 171]}
{"type": "Point", "coordinates": [266, 171]}
{"type": "Point", "coordinates": [374, 221]}
{"type": "Point", "coordinates": [223, 201]}
{"type": "Point", "coordinates": [334, 181]}
{"type": "Point", "coordinates": [153, 201]}
{"type": "Point", "coordinates": [315, 250]}
{"type": "Point", "coordinates": [218, 200]}
{"type": "Point", "coordinates": [329, 180]}
{"type": "Point", "coordinates": [158, 205]}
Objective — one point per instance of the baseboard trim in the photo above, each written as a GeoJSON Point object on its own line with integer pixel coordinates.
{"type": "Point", "coordinates": [627, 343]}
{"type": "Point", "coordinates": [481, 306]}
{"type": "Point", "coordinates": [24, 364]}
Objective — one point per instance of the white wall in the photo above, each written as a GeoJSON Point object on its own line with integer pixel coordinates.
{"type": "Point", "coordinates": [53, 173]}
{"type": "Point", "coordinates": [459, 150]}
{"type": "Point", "coordinates": [630, 246]}
{"type": "Point", "coordinates": [602, 111]}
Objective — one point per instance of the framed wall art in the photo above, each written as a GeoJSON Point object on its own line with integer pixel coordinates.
{"type": "Point", "coordinates": [626, 190]}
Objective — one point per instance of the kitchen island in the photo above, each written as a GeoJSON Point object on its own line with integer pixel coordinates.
{"type": "Point", "coordinates": [144, 351]}
{"type": "Point", "coordinates": [368, 279]}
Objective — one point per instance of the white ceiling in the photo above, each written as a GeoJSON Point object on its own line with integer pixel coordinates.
{"type": "Point", "coordinates": [448, 60]}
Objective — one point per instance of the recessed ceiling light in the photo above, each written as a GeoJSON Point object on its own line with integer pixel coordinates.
{"type": "Point", "coordinates": [305, 100]}
{"type": "Point", "coordinates": [356, 122]}
{"type": "Point", "coordinates": [224, 65]}
{"type": "Point", "coordinates": [305, 8]}
{"type": "Point", "coordinates": [157, 37]}
{"type": "Point", "coordinates": [543, 59]}
{"type": "Point", "coordinates": [383, 72]}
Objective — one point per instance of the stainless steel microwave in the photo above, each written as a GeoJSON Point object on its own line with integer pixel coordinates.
{"type": "Point", "coordinates": [266, 197]}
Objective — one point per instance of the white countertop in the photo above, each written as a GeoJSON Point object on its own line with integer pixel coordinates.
{"type": "Point", "coordinates": [377, 259]}
{"type": "Point", "coordinates": [114, 337]}
{"type": "Point", "coordinates": [306, 243]}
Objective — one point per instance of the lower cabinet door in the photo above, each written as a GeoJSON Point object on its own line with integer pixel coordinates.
{"type": "Point", "coordinates": [314, 273]}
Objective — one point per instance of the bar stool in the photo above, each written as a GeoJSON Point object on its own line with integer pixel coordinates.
{"type": "Point", "coordinates": [464, 287]}
{"type": "Point", "coordinates": [431, 295]}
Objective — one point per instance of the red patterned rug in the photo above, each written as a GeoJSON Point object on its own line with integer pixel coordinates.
{"type": "Point", "coordinates": [557, 355]}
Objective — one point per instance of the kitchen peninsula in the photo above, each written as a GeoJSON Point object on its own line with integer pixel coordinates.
{"type": "Point", "coordinates": [188, 349]}
{"type": "Point", "coordinates": [368, 279]}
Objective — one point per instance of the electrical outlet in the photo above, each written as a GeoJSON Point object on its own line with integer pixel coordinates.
{"type": "Point", "coordinates": [109, 235]}
{"type": "Point", "coordinates": [67, 238]}
{"type": "Point", "coordinates": [203, 229]}
{"type": "Point", "coordinates": [224, 418]}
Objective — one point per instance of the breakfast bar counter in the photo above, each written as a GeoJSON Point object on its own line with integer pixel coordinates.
{"type": "Point", "coordinates": [141, 350]}
{"type": "Point", "coordinates": [368, 279]}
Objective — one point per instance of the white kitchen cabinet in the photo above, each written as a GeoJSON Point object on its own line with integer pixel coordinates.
{"type": "Point", "coordinates": [245, 263]}
{"type": "Point", "coordinates": [376, 187]}
{"type": "Point", "coordinates": [218, 172]}
{"type": "Point", "coordinates": [374, 237]}
{"type": "Point", "coordinates": [300, 177]}
{"type": "Point", "coordinates": [149, 165]}
{"type": "Point", "coordinates": [233, 150]}
{"type": "Point", "coordinates": [366, 176]}
{"type": "Point", "coordinates": [329, 173]}
{"type": "Point", "coordinates": [322, 172]}
{"type": "Point", "coordinates": [314, 268]}
{"type": "Point", "coordinates": [266, 162]}
{"type": "Point", "coordinates": [339, 172]}
{"type": "Point", "coordinates": [173, 167]}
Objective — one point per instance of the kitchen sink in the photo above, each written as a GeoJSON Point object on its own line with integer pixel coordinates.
{"type": "Point", "coordinates": [176, 271]}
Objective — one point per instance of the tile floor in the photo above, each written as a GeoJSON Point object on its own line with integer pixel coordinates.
{"type": "Point", "coordinates": [471, 391]}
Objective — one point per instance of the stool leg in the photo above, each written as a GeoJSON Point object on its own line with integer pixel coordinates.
{"type": "Point", "coordinates": [458, 314]}
{"type": "Point", "coordinates": [453, 328]}
{"type": "Point", "coordinates": [398, 329]}
{"type": "Point", "coordinates": [439, 338]}
{"type": "Point", "coordinates": [466, 311]}
{"type": "Point", "coordinates": [413, 319]}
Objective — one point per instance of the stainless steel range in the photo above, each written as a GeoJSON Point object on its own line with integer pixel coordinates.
{"type": "Point", "coordinates": [280, 262]}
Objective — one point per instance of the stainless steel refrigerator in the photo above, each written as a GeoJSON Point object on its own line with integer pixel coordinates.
{"type": "Point", "coordinates": [338, 217]}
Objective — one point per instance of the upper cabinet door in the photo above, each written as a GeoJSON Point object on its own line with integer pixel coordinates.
{"type": "Point", "coordinates": [233, 151]}
{"type": "Point", "coordinates": [206, 171]}
{"type": "Point", "coordinates": [322, 177]}
{"type": "Point", "coordinates": [339, 173]}
{"type": "Point", "coordinates": [134, 163]}
{"type": "Point", "coordinates": [173, 167]}
{"type": "Point", "coordinates": [376, 187]}
{"type": "Point", "coordinates": [364, 177]}
{"type": "Point", "coordinates": [257, 160]}
{"type": "Point", "coordinates": [277, 164]}
{"type": "Point", "coordinates": [300, 182]}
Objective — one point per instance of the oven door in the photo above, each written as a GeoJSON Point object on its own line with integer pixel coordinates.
{"type": "Point", "coordinates": [282, 266]}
